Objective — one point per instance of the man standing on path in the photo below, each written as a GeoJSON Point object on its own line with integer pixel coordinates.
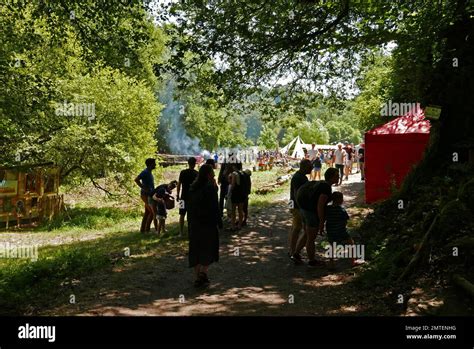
{"type": "Point", "coordinates": [186, 177]}
{"type": "Point", "coordinates": [298, 179]}
{"type": "Point", "coordinates": [312, 198]}
{"type": "Point", "coordinates": [146, 182]}
{"type": "Point", "coordinates": [339, 158]}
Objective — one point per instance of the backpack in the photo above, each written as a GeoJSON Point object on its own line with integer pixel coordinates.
{"type": "Point", "coordinates": [317, 162]}
{"type": "Point", "coordinates": [306, 193]}
{"type": "Point", "coordinates": [245, 182]}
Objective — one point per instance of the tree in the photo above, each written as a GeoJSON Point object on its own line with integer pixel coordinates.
{"type": "Point", "coordinates": [310, 132]}
{"type": "Point", "coordinates": [375, 85]}
{"type": "Point", "coordinates": [268, 138]}
{"type": "Point", "coordinates": [302, 41]}
{"type": "Point", "coordinates": [321, 44]}
{"type": "Point", "coordinates": [116, 139]}
{"type": "Point", "coordinates": [76, 86]}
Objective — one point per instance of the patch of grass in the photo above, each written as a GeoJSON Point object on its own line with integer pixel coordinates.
{"type": "Point", "coordinates": [26, 286]}
{"type": "Point", "coordinates": [262, 201]}
{"type": "Point", "coordinates": [91, 218]}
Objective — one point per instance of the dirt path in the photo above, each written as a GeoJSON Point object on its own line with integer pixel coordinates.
{"type": "Point", "coordinates": [254, 277]}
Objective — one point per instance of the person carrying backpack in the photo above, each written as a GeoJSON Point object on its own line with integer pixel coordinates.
{"type": "Point", "coordinates": [298, 179]}
{"type": "Point", "coordinates": [312, 198]}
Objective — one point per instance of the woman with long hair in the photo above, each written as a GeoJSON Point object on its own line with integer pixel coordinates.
{"type": "Point", "coordinates": [204, 220]}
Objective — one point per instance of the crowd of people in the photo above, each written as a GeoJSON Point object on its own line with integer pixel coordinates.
{"type": "Point", "coordinates": [342, 158]}
{"type": "Point", "coordinates": [203, 199]}
{"type": "Point", "coordinates": [316, 209]}
{"type": "Point", "coordinates": [197, 197]}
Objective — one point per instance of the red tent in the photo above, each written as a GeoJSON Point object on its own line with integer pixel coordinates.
{"type": "Point", "coordinates": [391, 150]}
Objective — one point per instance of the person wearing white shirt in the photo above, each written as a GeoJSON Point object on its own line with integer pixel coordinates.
{"type": "Point", "coordinates": [339, 159]}
{"type": "Point", "coordinates": [312, 155]}
{"type": "Point", "coordinates": [312, 152]}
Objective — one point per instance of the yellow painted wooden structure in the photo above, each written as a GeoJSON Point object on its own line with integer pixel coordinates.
{"type": "Point", "coordinates": [29, 194]}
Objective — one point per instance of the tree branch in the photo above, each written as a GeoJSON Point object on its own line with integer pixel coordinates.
{"type": "Point", "coordinates": [98, 186]}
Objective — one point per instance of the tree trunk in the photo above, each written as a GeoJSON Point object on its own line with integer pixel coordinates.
{"type": "Point", "coordinates": [452, 88]}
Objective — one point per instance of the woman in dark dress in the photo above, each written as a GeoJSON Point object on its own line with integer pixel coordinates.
{"type": "Point", "coordinates": [204, 220]}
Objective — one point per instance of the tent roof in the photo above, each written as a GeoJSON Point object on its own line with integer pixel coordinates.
{"type": "Point", "coordinates": [297, 145]}
{"type": "Point", "coordinates": [298, 149]}
{"type": "Point", "coordinates": [286, 148]}
{"type": "Point", "coordinates": [411, 122]}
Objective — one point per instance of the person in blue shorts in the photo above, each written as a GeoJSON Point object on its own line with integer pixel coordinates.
{"type": "Point", "coordinates": [146, 183]}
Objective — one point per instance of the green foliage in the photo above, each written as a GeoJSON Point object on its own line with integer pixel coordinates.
{"type": "Point", "coordinates": [105, 144]}
{"type": "Point", "coordinates": [268, 138]}
{"type": "Point", "coordinates": [375, 86]}
{"type": "Point", "coordinates": [90, 218]}
{"type": "Point", "coordinates": [310, 132]}
{"type": "Point", "coordinates": [342, 131]}
{"type": "Point", "coordinates": [323, 46]}
{"type": "Point", "coordinates": [213, 126]}
{"type": "Point", "coordinates": [99, 57]}
{"type": "Point", "coordinates": [305, 42]}
{"type": "Point", "coordinates": [21, 280]}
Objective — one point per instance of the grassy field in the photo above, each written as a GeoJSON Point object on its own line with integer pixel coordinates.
{"type": "Point", "coordinates": [95, 233]}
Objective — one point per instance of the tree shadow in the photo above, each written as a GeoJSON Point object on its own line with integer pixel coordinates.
{"type": "Point", "coordinates": [253, 277]}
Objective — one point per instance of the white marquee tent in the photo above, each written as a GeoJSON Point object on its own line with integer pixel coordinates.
{"type": "Point", "coordinates": [294, 149]}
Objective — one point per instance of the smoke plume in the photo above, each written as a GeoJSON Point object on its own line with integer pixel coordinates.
{"type": "Point", "coordinates": [171, 127]}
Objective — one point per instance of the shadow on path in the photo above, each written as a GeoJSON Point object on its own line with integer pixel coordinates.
{"type": "Point", "coordinates": [254, 277]}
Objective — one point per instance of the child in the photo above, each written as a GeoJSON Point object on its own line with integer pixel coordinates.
{"type": "Point", "coordinates": [336, 220]}
{"type": "Point", "coordinates": [160, 194]}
